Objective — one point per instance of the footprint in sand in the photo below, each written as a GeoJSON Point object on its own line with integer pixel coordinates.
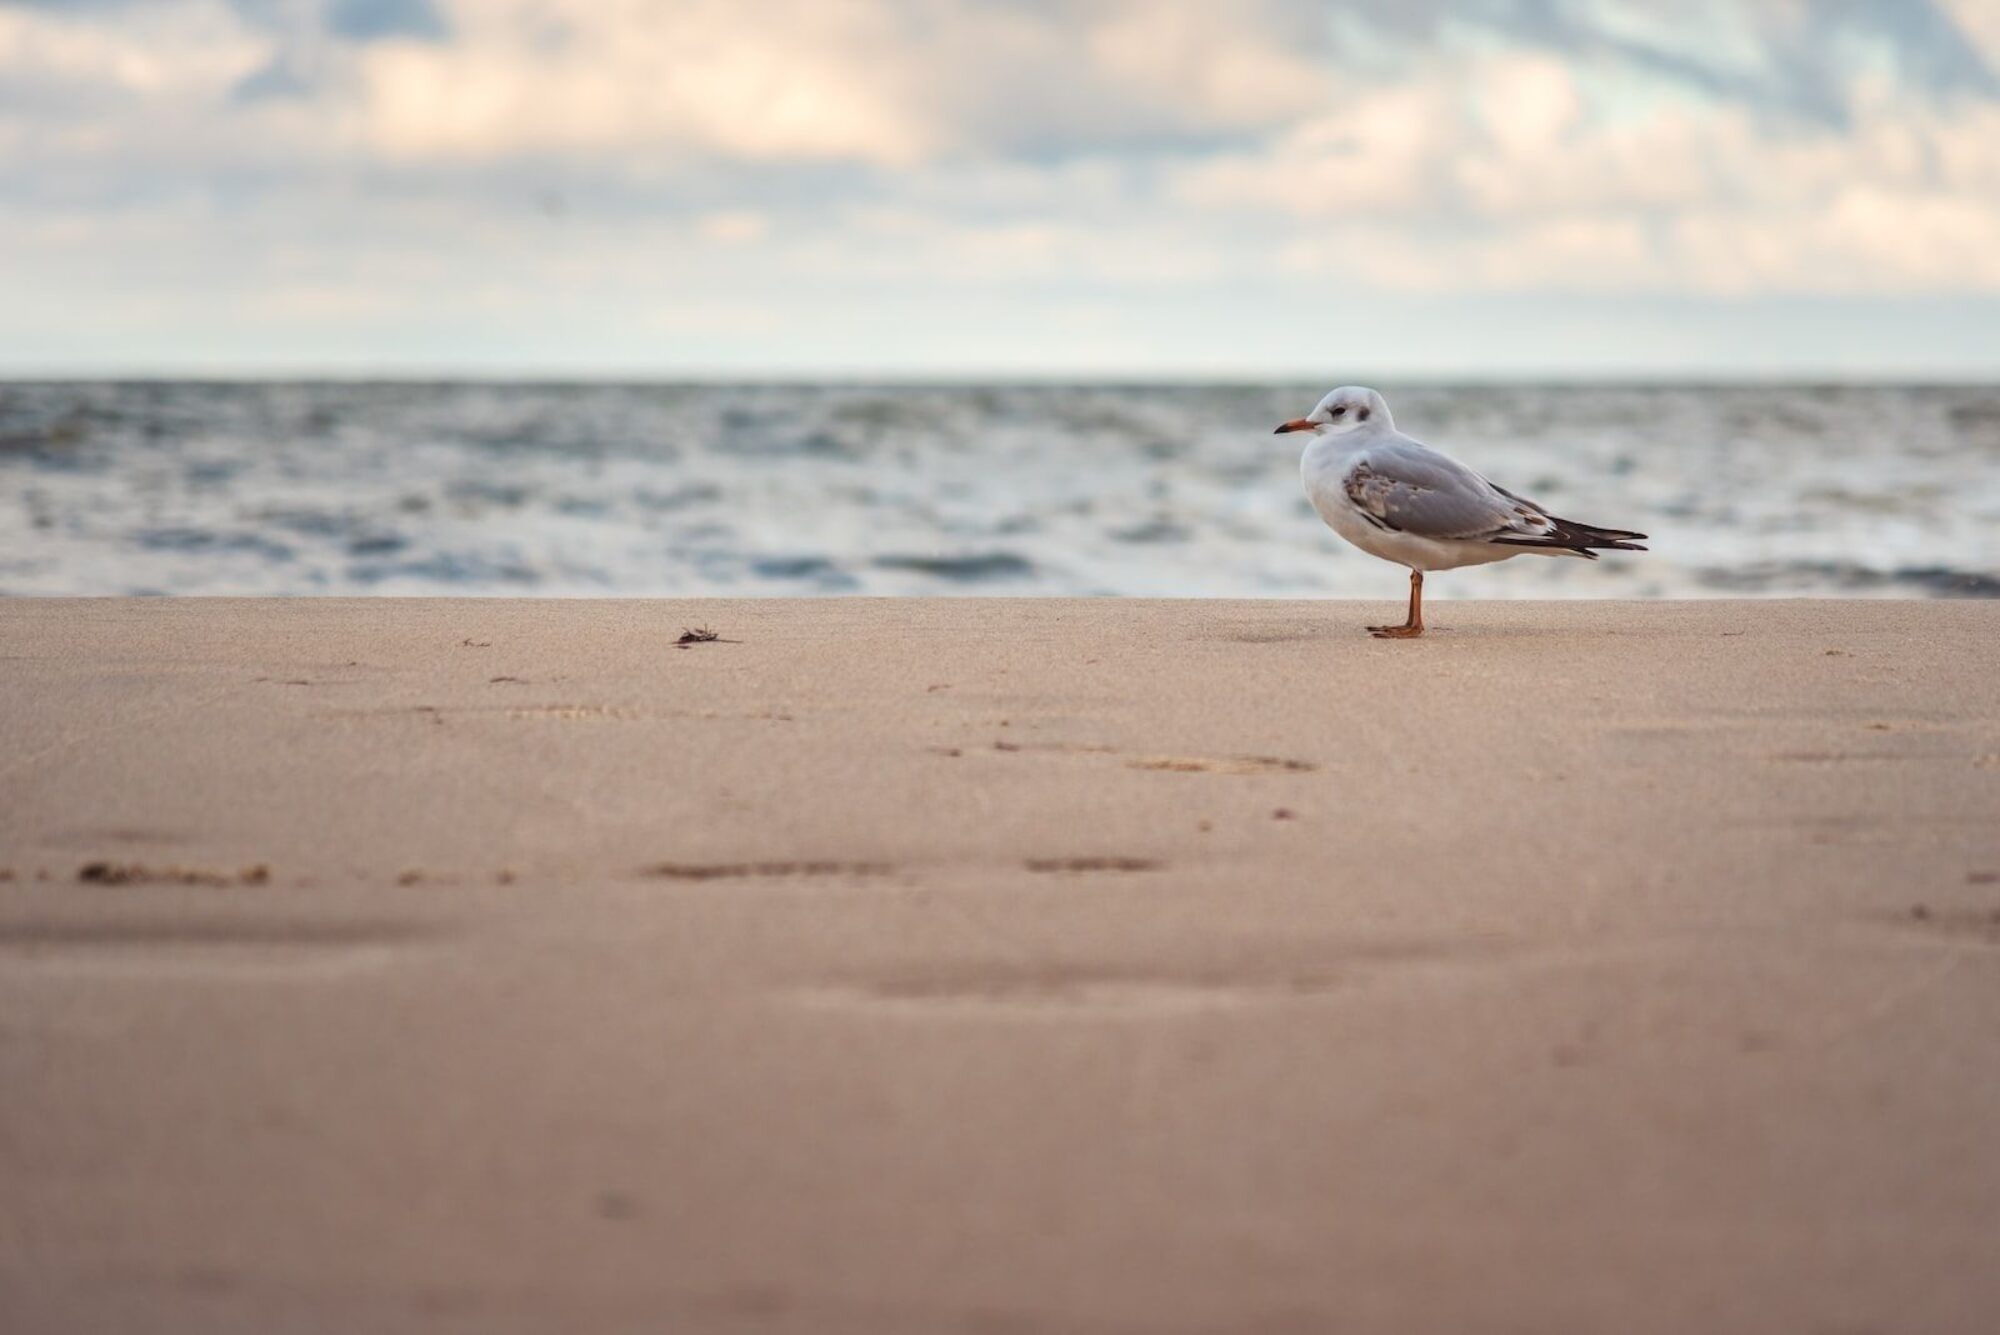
{"type": "Point", "coordinates": [1222, 764]}
{"type": "Point", "coordinates": [1959, 924]}
{"type": "Point", "coordinates": [1168, 764]}
{"type": "Point", "coordinates": [1089, 864]}
{"type": "Point", "coordinates": [730, 871]}
{"type": "Point", "coordinates": [553, 713]}
{"type": "Point", "coordinates": [1014, 989]}
{"type": "Point", "coordinates": [207, 949]}
{"type": "Point", "coordinates": [573, 713]}
{"type": "Point", "coordinates": [134, 873]}
{"type": "Point", "coordinates": [1060, 992]}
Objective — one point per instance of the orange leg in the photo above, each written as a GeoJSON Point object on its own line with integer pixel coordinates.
{"type": "Point", "coordinates": [1413, 626]}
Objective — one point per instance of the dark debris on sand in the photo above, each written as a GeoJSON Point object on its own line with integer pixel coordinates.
{"type": "Point", "coordinates": [701, 635]}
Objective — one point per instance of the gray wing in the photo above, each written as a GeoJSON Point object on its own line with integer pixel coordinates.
{"type": "Point", "coordinates": [1414, 490]}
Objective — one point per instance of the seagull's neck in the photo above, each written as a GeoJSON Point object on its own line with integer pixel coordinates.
{"type": "Point", "coordinates": [1326, 457]}
{"type": "Point", "coordinates": [1346, 442]}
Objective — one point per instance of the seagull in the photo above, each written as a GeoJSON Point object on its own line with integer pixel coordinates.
{"type": "Point", "coordinates": [1403, 501]}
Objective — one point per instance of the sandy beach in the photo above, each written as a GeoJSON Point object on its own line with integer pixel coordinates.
{"type": "Point", "coordinates": [999, 966]}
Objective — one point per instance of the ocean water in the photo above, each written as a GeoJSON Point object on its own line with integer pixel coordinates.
{"type": "Point", "coordinates": [336, 488]}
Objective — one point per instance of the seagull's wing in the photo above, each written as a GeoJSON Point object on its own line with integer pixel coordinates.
{"type": "Point", "coordinates": [1407, 487]}
{"type": "Point", "coordinates": [1410, 489]}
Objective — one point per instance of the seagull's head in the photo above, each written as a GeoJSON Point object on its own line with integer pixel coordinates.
{"type": "Point", "coordinates": [1349, 408]}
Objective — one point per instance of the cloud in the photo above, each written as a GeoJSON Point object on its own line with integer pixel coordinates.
{"type": "Point", "coordinates": [1523, 166]}
{"type": "Point", "coordinates": [1797, 58]}
{"type": "Point", "coordinates": [887, 83]}
{"type": "Point", "coordinates": [1002, 154]}
{"type": "Point", "coordinates": [611, 78]}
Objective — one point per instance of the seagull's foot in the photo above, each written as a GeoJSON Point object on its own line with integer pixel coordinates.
{"type": "Point", "coordinates": [1404, 632]}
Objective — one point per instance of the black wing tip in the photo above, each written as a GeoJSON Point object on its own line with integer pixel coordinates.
{"type": "Point", "coordinates": [1579, 537]}
{"type": "Point", "coordinates": [1587, 547]}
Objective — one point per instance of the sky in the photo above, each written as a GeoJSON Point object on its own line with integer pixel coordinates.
{"type": "Point", "coordinates": [1071, 188]}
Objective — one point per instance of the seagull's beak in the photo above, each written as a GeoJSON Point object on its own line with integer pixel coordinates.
{"type": "Point", "coordinates": [1296, 424]}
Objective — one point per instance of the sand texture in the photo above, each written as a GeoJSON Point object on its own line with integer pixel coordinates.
{"type": "Point", "coordinates": [992, 966]}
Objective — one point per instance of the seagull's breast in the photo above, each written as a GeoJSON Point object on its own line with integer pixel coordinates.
{"type": "Point", "coordinates": [1326, 473]}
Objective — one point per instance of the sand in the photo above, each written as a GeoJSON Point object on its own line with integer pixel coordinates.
{"type": "Point", "coordinates": [999, 966]}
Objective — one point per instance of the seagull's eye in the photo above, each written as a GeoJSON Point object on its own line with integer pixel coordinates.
{"type": "Point", "coordinates": [1339, 412]}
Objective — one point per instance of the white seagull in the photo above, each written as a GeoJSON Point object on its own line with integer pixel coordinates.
{"type": "Point", "coordinates": [1401, 500]}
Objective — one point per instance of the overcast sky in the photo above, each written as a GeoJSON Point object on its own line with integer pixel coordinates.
{"type": "Point", "coordinates": [1044, 187]}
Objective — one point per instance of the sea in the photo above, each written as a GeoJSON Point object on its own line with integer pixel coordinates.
{"type": "Point", "coordinates": [666, 490]}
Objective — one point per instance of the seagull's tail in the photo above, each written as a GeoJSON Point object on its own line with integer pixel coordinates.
{"type": "Point", "coordinates": [1571, 537]}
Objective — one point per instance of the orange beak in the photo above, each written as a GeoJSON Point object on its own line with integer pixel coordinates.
{"type": "Point", "coordinates": [1296, 424]}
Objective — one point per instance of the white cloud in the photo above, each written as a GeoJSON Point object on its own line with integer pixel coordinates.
{"type": "Point", "coordinates": [1513, 180]}
{"type": "Point", "coordinates": [786, 79]}
{"type": "Point", "coordinates": [1040, 151]}
{"type": "Point", "coordinates": [155, 52]}
{"type": "Point", "coordinates": [887, 82]}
